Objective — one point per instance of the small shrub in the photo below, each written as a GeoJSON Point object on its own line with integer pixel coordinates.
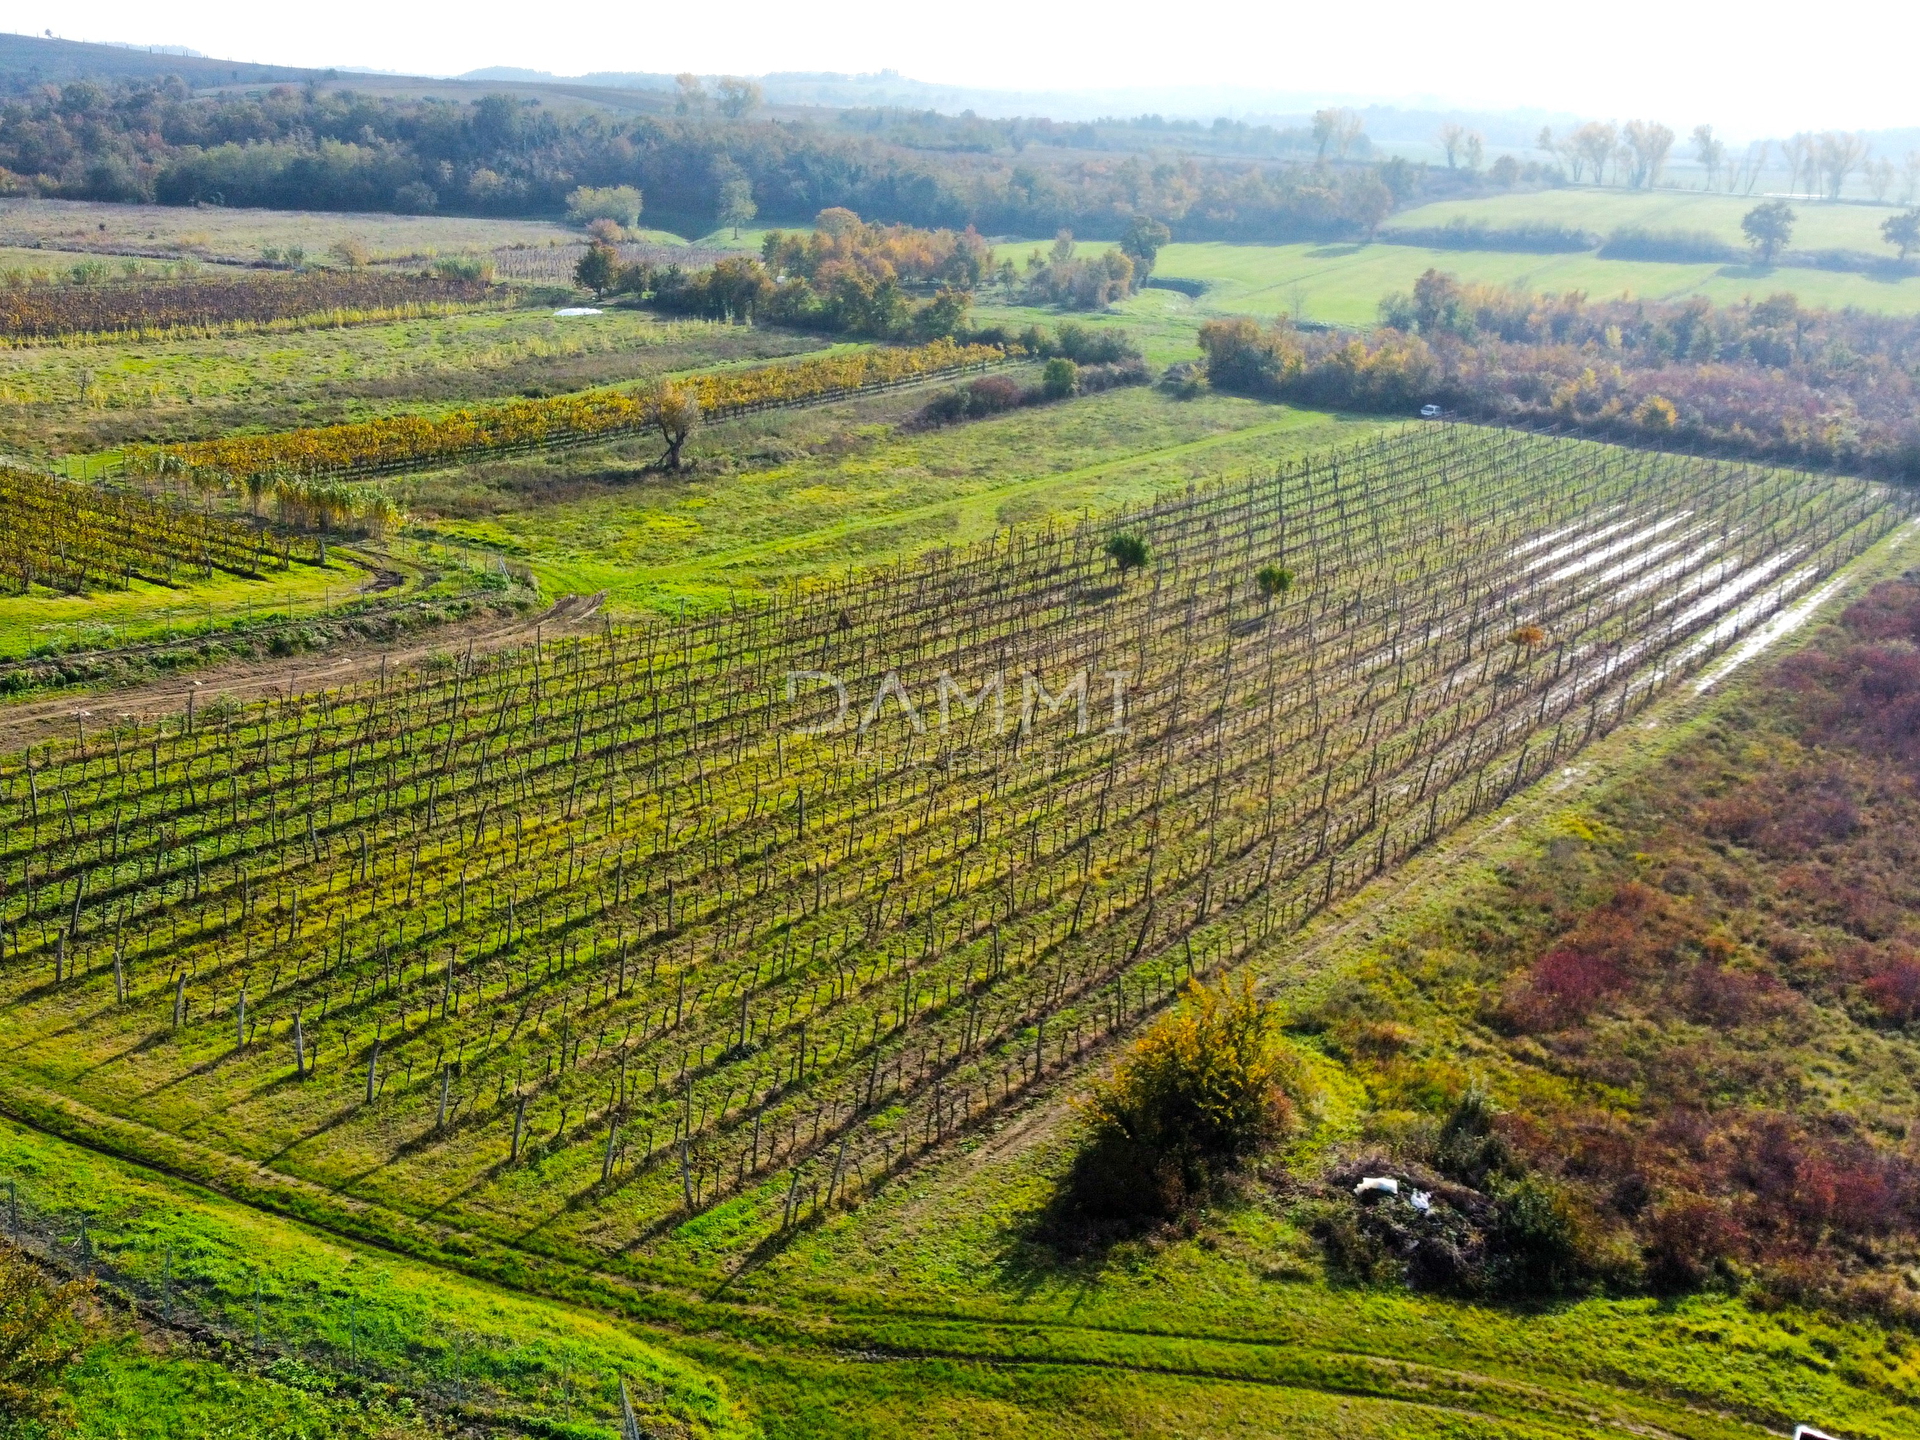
{"type": "Point", "coordinates": [1059, 378]}
{"type": "Point", "coordinates": [1128, 552]}
{"type": "Point", "coordinates": [1274, 580]}
{"type": "Point", "coordinates": [1895, 990]}
{"type": "Point", "coordinates": [464, 267]}
{"type": "Point", "coordinates": [41, 1334]}
{"type": "Point", "coordinates": [1199, 1092]}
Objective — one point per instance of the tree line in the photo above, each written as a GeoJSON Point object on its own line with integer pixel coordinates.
{"type": "Point", "coordinates": [1771, 379]}
{"type": "Point", "coordinates": [316, 147]}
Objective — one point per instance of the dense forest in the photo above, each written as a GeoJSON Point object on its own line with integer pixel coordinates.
{"type": "Point", "coordinates": [314, 147]}
{"type": "Point", "coordinates": [1769, 378]}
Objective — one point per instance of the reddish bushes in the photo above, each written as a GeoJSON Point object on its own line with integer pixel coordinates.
{"type": "Point", "coordinates": [1766, 379]}
{"type": "Point", "coordinates": [1592, 961]}
{"type": "Point", "coordinates": [1895, 988]}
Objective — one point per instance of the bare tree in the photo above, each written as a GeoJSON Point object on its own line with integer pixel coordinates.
{"type": "Point", "coordinates": [1840, 155]}
{"type": "Point", "coordinates": [1452, 138]}
{"type": "Point", "coordinates": [1336, 129]}
{"type": "Point", "coordinates": [1594, 142]}
{"type": "Point", "coordinates": [1909, 177]}
{"type": "Point", "coordinates": [1709, 151]}
{"type": "Point", "coordinates": [1647, 144]}
{"type": "Point", "coordinates": [1879, 175]}
{"type": "Point", "coordinates": [1798, 151]}
{"type": "Point", "coordinates": [1476, 150]}
{"type": "Point", "coordinates": [738, 97]}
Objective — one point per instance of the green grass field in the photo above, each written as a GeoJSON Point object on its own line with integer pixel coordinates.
{"type": "Point", "coordinates": [1343, 284]}
{"type": "Point", "coordinates": [813, 492]}
{"type": "Point", "coordinates": [1821, 225]}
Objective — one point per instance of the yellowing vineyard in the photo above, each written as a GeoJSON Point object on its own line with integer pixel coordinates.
{"type": "Point", "coordinates": [403, 441]}
{"type": "Point", "coordinates": [75, 538]}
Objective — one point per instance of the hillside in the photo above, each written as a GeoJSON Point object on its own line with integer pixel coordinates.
{"type": "Point", "coordinates": [29, 61]}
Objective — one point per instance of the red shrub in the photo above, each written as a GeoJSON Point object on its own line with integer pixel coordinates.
{"type": "Point", "coordinates": [1735, 818]}
{"type": "Point", "coordinates": [1889, 611]}
{"type": "Point", "coordinates": [1896, 989]}
{"type": "Point", "coordinates": [1685, 1239]}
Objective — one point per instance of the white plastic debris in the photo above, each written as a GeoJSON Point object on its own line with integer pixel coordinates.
{"type": "Point", "coordinates": [1807, 1432]}
{"type": "Point", "coordinates": [572, 310]}
{"type": "Point", "coordinates": [1377, 1185]}
{"type": "Point", "coordinates": [1421, 1201]}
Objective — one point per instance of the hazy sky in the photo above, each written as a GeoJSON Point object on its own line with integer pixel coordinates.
{"type": "Point", "coordinates": [1763, 67]}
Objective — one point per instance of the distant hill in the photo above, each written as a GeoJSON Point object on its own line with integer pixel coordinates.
{"type": "Point", "coordinates": [30, 60]}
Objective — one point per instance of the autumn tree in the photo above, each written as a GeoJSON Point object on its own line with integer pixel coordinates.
{"type": "Point", "coordinates": [1198, 1093]}
{"type": "Point", "coordinates": [738, 98]}
{"type": "Point", "coordinates": [690, 96]}
{"type": "Point", "coordinates": [1648, 143]}
{"type": "Point", "coordinates": [1336, 129]}
{"type": "Point", "coordinates": [1593, 144]}
{"type": "Point", "coordinates": [619, 204]}
{"type": "Point", "coordinates": [676, 414]}
{"type": "Point", "coordinates": [1768, 227]}
{"type": "Point", "coordinates": [1709, 151]}
{"type": "Point", "coordinates": [1840, 154]}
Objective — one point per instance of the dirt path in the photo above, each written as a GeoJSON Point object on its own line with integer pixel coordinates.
{"type": "Point", "coordinates": [34, 720]}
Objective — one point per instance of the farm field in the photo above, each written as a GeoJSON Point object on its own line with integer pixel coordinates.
{"type": "Point", "coordinates": [797, 494]}
{"type": "Point", "coordinates": [1343, 284]}
{"type": "Point", "coordinates": [1819, 224]}
{"type": "Point", "coordinates": [919, 961]}
{"type": "Point", "coordinates": [215, 233]}
{"type": "Point", "coordinates": [394, 921]}
{"type": "Point", "coordinates": [87, 398]}
{"type": "Point", "coordinates": [890, 886]}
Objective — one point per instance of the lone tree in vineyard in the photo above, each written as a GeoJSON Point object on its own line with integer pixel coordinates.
{"type": "Point", "coordinates": [1128, 552]}
{"type": "Point", "coordinates": [1274, 580]}
{"type": "Point", "coordinates": [598, 269]}
{"type": "Point", "coordinates": [676, 411]}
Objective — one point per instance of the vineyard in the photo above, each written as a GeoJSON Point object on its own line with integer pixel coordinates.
{"type": "Point", "coordinates": [223, 306]}
{"type": "Point", "coordinates": [402, 442]}
{"type": "Point", "coordinates": [559, 947]}
{"type": "Point", "coordinates": [75, 538]}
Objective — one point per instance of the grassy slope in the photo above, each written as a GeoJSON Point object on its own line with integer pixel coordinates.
{"type": "Point", "coordinates": [150, 612]}
{"type": "Point", "coordinates": [323, 1299]}
{"type": "Point", "coordinates": [930, 1309]}
{"type": "Point", "coordinates": [747, 520]}
{"type": "Point", "coordinates": [1344, 284]}
{"type": "Point", "coordinates": [96, 396]}
{"type": "Point", "coordinates": [1821, 226]}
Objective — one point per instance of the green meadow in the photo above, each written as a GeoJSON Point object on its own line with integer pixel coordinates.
{"type": "Point", "coordinates": [1820, 224]}
{"type": "Point", "coordinates": [1343, 284]}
